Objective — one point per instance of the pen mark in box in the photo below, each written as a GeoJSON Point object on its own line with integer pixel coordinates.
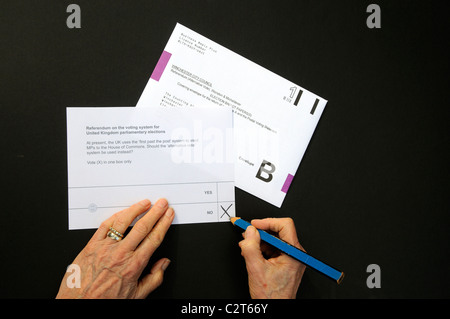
{"type": "Point", "coordinates": [225, 211]}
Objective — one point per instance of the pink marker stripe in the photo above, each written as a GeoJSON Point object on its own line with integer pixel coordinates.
{"type": "Point", "coordinates": [287, 183]}
{"type": "Point", "coordinates": [161, 65]}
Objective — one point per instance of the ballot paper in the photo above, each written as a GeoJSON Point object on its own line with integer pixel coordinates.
{"type": "Point", "coordinates": [274, 119]}
{"type": "Point", "coordinates": [117, 156]}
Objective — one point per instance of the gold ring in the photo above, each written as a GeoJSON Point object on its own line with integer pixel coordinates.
{"type": "Point", "coordinates": [114, 234]}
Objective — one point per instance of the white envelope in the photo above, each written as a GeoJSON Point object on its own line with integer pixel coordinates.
{"type": "Point", "coordinates": [274, 119]}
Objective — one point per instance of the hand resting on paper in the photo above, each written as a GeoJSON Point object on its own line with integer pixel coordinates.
{"type": "Point", "coordinates": [111, 267]}
{"type": "Point", "coordinates": [279, 276]}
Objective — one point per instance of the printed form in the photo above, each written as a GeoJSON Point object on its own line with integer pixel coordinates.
{"type": "Point", "coordinates": [274, 119]}
{"type": "Point", "coordinates": [118, 156]}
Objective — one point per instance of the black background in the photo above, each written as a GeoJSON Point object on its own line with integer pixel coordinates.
{"type": "Point", "coordinates": [372, 187]}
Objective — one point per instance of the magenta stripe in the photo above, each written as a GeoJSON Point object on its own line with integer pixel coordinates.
{"type": "Point", "coordinates": [287, 183]}
{"type": "Point", "coordinates": [161, 65]}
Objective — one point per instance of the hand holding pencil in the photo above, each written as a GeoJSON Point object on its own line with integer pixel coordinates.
{"type": "Point", "coordinates": [279, 276]}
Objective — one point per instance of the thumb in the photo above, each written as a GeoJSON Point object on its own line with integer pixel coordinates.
{"type": "Point", "coordinates": [153, 280]}
{"type": "Point", "coordinates": [250, 246]}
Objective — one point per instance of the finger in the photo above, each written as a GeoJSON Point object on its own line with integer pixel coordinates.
{"type": "Point", "coordinates": [121, 220]}
{"type": "Point", "coordinates": [153, 240]}
{"type": "Point", "coordinates": [144, 225]}
{"type": "Point", "coordinates": [125, 217]}
{"type": "Point", "coordinates": [250, 248]}
{"type": "Point", "coordinates": [285, 228]}
{"type": "Point", "coordinates": [103, 229]}
{"type": "Point", "coordinates": [153, 280]}
{"type": "Point", "coordinates": [267, 250]}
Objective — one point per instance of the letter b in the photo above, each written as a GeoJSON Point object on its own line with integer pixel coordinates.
{"type": "Point", "coordinates": [268, 172]}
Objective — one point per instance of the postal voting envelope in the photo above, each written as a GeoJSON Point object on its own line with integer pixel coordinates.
{"type": "Point", "coordinates": [274, 119]}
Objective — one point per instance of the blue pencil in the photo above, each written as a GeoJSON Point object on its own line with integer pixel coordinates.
{"type": "Point", "coordinates": [294, 252]}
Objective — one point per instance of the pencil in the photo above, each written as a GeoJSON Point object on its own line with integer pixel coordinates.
{"type": "Point", "coordinates": [294, 252]}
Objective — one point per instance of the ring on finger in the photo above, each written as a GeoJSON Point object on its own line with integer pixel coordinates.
{"type": "Point", "coordinates": [114, 234]}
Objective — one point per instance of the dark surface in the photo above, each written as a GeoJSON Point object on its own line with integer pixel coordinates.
{"type": "Point", "coordinates": [372, 187]}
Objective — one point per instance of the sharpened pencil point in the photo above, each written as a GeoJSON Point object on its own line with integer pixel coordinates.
{"type": "Point", "coordinates": [340, 278]}
{"type": "Point", "coordinates": [233, 219]}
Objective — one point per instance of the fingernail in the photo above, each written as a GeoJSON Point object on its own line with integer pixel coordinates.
{"type": "Point", "coordinates": [165, 264]}
{"type": "Point", "coordinates": [251, 230]}
{"type": "Point", "coordinates": [170, 212]}
{"type": "Point", "coordinates": [144, 203]}
{"type": "Point", "coordinates": [162, 203]}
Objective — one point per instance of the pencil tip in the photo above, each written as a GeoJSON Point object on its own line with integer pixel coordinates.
{"type": "Point", "coordinates": [341, 278]}
{"type": "Point", "coordinates": [233, 219]}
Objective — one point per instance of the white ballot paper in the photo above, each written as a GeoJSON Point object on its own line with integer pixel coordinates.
{"type": "Point", "coordinates": [118, 156]}
{"type": "Point", "coordinates": [274, 118]}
